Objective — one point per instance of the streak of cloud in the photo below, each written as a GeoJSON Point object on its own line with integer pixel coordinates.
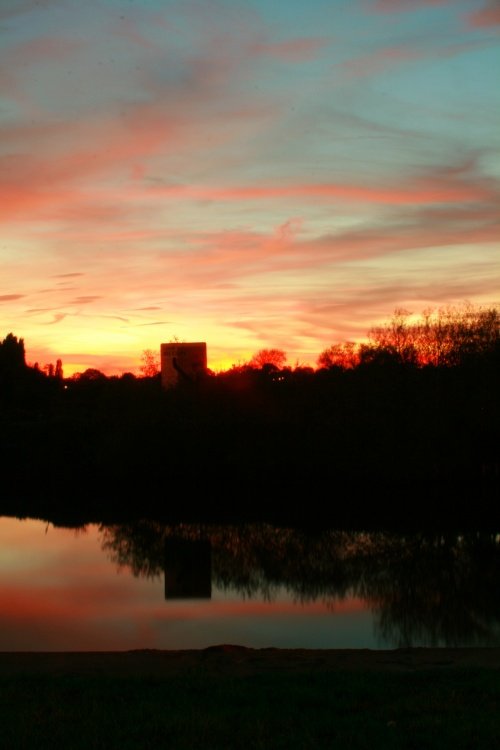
{"type": "Point", "coordinates": [58, 318]}
{"type": "Point", "coordinates": [67, 275]}
{"type": "Point", "coordinates": [85, 300]}
{"type": "Point", "coordinates": [399, 6]}
{"type": "Point", "coordinates": [292, 50]}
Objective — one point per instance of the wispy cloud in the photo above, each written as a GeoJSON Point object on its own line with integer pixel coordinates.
{"type": "Point", "coordinates": [67, 275]}
{"type": "Point", "coordinates": [84, 300]}
{"type": "Point", "coordinates": [291, 50]}
{"type": "Point", "coordinates": [373, 63]}
{"type": "Point", "coordinates": [439, 186]}
{"type": "Point", "coordinates": [115, 317]}
{"type": "Point", "coordinates": [13, 8]}
{"type": "Point", "coordinates": [399, 6]}
{"type": "Point", "coordinates": [486, 16]}
{"type": "Point", "coordinates": [155, 323]}
{"type": "Point", "coordinates": [58, 318]}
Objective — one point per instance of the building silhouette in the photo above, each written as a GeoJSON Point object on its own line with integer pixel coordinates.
{"type": "Point", "coordinates": [182, 362]}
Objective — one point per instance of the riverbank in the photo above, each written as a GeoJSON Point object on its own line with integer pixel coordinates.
{"type": "Point", "coordinates": [239, 661]}
{"type": "Point", "coordinates": [234, 697]}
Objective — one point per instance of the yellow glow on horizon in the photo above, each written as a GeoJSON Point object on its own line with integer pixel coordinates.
{"type": "Point", "coordinates": [225, 363]}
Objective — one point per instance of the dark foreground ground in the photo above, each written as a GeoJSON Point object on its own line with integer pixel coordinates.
{"type": "Point", "coordinates": [233, 697]}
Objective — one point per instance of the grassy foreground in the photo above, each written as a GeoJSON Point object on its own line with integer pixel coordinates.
{"type": "Point", "coordinates": [242, 700]}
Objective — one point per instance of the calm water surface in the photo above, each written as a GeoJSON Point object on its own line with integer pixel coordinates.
{"type": "Point", "coordinates": [153, 586]}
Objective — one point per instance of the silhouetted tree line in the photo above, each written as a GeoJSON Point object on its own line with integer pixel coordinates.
{"type": "Point", "coordinates": [448, 337]}
{"type": "Point", "coordinates": [403, 430]}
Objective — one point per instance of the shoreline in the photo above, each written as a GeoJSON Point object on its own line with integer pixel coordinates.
{"type": "Point", "coordinates": [232, 660]}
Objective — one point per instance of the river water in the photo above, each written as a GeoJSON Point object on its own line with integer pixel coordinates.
{"type": "Point", "coordinates": [147, 585]}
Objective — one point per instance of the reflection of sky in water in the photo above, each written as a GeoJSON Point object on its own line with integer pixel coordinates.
{"type": "Point", "coordinates": [64, 590]}
{"type": "Point", "coordinates": [59, 591]}
{"type": "Point", "coordinates": [281, 623]}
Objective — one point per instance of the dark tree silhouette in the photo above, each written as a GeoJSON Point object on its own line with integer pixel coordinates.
{"type": "Point", "coordinates": [270, 357]}
{"type": "Point", "coordinates": [90, 374]}
{"type": "Point", "coordinates": [150, 363]}
{"type": "Point", "coordinates": [12, 354]}
{"type": "Point", "coordinates": [445, 337]}
{"type": "Point", "coordinates": [345, 356]}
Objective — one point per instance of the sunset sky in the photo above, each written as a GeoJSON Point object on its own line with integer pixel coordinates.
{"type": "Point", "coordinates": [246, 173]}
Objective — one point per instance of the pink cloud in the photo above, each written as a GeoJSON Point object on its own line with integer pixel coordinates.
{"type": "Point", "coordinates": [289, 229]}
{"type": "Point", "coordinates": [292, 50]}
{"type": "Point", "coordinates": [44, 48]}
{"type": "Point", "coordinates": [50, 179]}
{"type": "Point", "coordinates": [373, 243]}
{"type": "Point", "coordinates": [129, 31]}
{"type": "Point", "coordinates": [16, 61]}
{"type": "Point", "coordinates": [51, 161]}
{"type": "Point", "coordinates": [375, 62]}
{"type": "Point", "coordinates": [34, 52]}
{"type": "Point", "coordinates": [228, 257]}
{"type": "Point", "coordinates": [397, 6]}
{"type": "Point", "coordinates": [487, 16]}
{"type": "Point", "coordinates": [435, 188]}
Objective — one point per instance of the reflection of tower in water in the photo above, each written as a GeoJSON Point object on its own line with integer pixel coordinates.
{"type": "Point", "coordinates": [188, 568]}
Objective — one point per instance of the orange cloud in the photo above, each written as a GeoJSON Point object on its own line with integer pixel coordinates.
{"type": "Point", "coordinates": [68, 275]}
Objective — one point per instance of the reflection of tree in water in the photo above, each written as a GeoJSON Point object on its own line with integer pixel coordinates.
{"type": "Point", "coordinates": [256, 560]}
{"type": "Point", "coordinates": [138, 546]}
{"type": "Point", "coordinates": [424, 589]}
{"type": "Point", "coordinates": [437, 590]}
